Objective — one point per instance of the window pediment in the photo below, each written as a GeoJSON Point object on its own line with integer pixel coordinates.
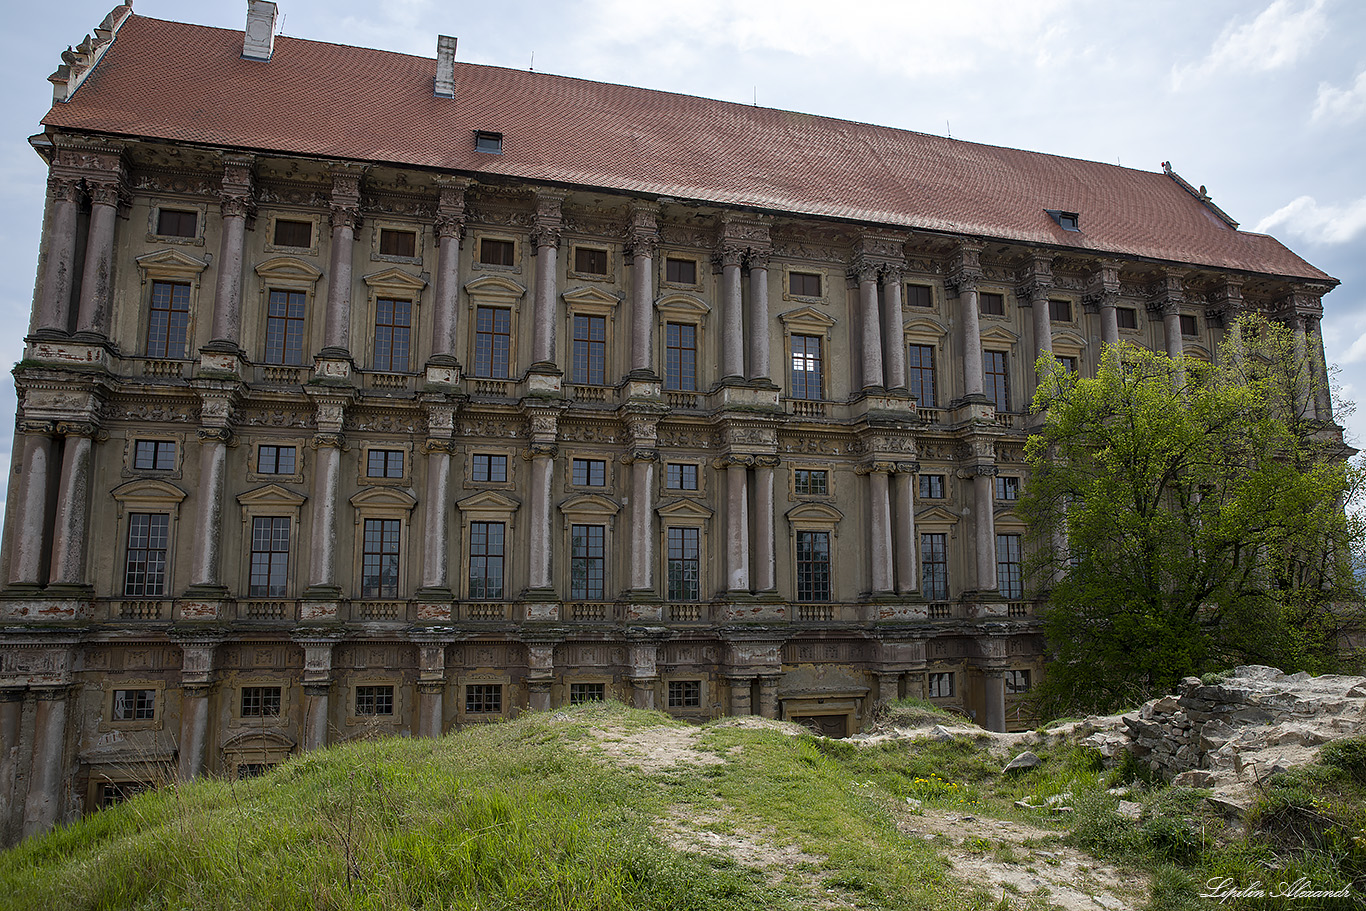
{"type": "Point", "coordinates": [1000, 335]}
{"type": "Point", "coordinates": [684, 509]}
{"type": "Point", "coordinates": [936, 515]}
{"type": "Point", "coordinates": [494, 289]}
{"type": "Point", "coordinates": [590, 504]}
{"type": "Point", "coordinates": [289, 271]}
{"type": "Point", "coordinates": [148, 489]}
{"type": "Point", "coordinates": [272, 495]}
{"type": "Point", "coordinates": [682, 305]}
{"type": "Point", "coordinates": [591, 298]}
{"type": "Point", "coordinates": [822, 513]}
{"type": "Point", "coordinates": [807, 318]}
{"type": "Point", "coordinates": [925, 327]}
{"type": "Point", "coordinates": [383, 498]}
{"type": "Point", "coordinates": [396, 282]}
{"type": "Point", "coordinates": [170, 264]}
{"type": "Point", "coordinates": [1068, 337]}
{"type": "Point", "coordinates": [488, 501]}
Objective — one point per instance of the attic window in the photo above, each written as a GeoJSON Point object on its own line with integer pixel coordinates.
{"type": "Point", "coordinates": [485, 141]}
{"type": "Point", "coordinates": [1068, 221]}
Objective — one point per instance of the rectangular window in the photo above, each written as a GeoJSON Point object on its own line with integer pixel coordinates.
{"type": "Point", "coordinates": [919, 296]}
{"type": "Point", "coordinates": [1127, 317]}
{"type": "Point", "coordinates": [176, 223]}
{"type": "Point", "coordinates": [806, 367]}
{"type": "Point", "coordinates": [486, 561]}
{"type": "Point", "coordinates": [1017, 683]}
{"type": "Point", "coordinates": [920, 374]}
{"type": "Point", "coordinates": [685, 694]}
{"type": "Point", "coordinates": [492, 342]}
{"type": "Point", "coordinates": [587, 562]}
{"type": "Point", "coordinates": [1060, 311]}
{"type": "Point", "coordinates": [144, 573]}
{"type": "Point", "coordinates": [293, 233]}
{"type": "Point", "coordinates": [934, 566]}
{"type": "Point", "coordinates": [397, 243]}
{"type": "Point", "coordinates": [685, 564]}
{"type": "Point", "coordinates": [135, 705]}
{"type": "Point", "coordinates": [1009, 579]}
{"type": "Point", "coordinates": [941, 685]}
{"type": "Point", "coordinates": [374, 700]}
{"type": "Point", "coordinates": [992, 304]}
{"type": "Point", "coordinates": [1069, 364]}
{"type": "Point", "coordinates": [285, 328]}
{"type": "Point", "coordinates": [813, 566]}
{"type": "Point", "coordinates": [931, 487]}
{"type": "Point", "coordinates": [154, 455]}
{"type": "Point", "coordinates": [590, 350]}
{"type": "Point", "coordinates": [483, 698]}
{"type": "Point", "coordinates": [997, 378]}
{"type": "Point", "coordinates": [260, 701]}
{"type": "Point", "coordinates": [580, 693]}
{"type": "Point", "coordinates": [680, 476]}
{"type": "Point", "coordinates": [269, 556]}
{"type": "Point", "coordinates": [168, 319]}
{"type": "Point", "coordinates": [248, 770]}
{"type": "Point", "coordinates": [811, 482]}
{"type": "Point", "coordinates": [804, 284]}
{"type": "Point", "coordinates": [590, 261]}
{"type": "Point", "coordinates": [379, 560]}
{"type": "Point", "coordinates": [589, 473]}
{"type": "Point", "coordinates": [490, 468]}
{"type": "Point", "coordinates": [393, 334]}
{"type": "Point", "coordinates": [276, 460]}
{"type": "Point", "coordinates": [1007, 487]}
{"type": "Point", "coordinates": [1189, 325]}
{"type": "Point", "coordinates": [680, 271]}
{"type": "Point", "coordinates": [116, 792]}
{"type": "Point", "coordinates": [680, 357]}
{"type": "Point", "coordinates": [495, 252]}
{"type": "Point", "coordinates": [384, 463]}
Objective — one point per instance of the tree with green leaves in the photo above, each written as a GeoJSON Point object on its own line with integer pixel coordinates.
{"type": "Point", "coordinates": [1206, 520]}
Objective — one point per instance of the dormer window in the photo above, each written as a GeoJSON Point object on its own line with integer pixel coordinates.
{"type": "Point", "coordinates": [1068, 221]}
{"type": "Point", "coordinates": [484, 141]}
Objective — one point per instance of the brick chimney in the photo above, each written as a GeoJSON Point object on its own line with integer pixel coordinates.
{"type": "Point", "coordinates": [259, 42]}
{"type": "Point", "coordinates": [445, 66]}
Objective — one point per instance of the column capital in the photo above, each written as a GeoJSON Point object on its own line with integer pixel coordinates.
{"type": "Point", "coordinates": [107, 190]}
{"type": "Point", "coordinates": [89, 429]}
{"type": "Point", "coordinates": [64, 187]}
{"type": "Point", "coordinates": [1168, 293]}
{"type": "Point", "coordinates": [766, 461]}
{"type": "Point", "coordinates": [965, 268]}
{"type": "Point", "coordinates": [643, 245]}
{"type": "Point", "coordinates": [911, 467]}
{"type": "Point", "coordinates": [727, 254]}
{"type": "Point", "coordinates": [437, 444]}
{"type": "Point", "coordinates": [980, 470]}
{"type": "Point", "coordinates": [643, 233]}
{"type": "Point", "coordinates": [757, 258]}
{"type": "Point", "coordinates": [1301, 300]}
{"type": "Point", "coordinates": [1102, 287]}
{"type": "Point", "coordinates": [863, 269]}
{"type": "Point", "coordinates": [27, 425]}
{"type": "Point", "coordinates": [216, 435]}
{"type": "Point", "coordinates": [1226, 300]}
{"type": "Point", "coordinates": [875, 466]}
{"type": "Point", "coordinates": [1035, 278]}
{"type": "Point", "coordinates": [328, 441]}
{"type": "Point", "coordinates": [238, 186]}
{"type": "Point", "coordinates": [639, 455]}
{"type": "Point", "coordinates": [734, 460]}
{"type": "Point", "coordinates": [344, 216]}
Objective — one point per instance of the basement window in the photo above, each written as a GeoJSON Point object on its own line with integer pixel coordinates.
{"type": "Point", "coordinates": [485, 141]}
{"type": "Point", "coordinates": [1068, 221]}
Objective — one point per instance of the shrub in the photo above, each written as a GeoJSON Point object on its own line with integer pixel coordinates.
{"type": "Point", "coordinates": [1347, 755]}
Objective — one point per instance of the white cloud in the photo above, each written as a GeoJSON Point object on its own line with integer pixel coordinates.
{"type": "Point", "coordinates": [1279, 36]}
{"type": "Point", "coordinates": [1343, 105]}
{"type": "Point", "coordinates": [1315, 223]}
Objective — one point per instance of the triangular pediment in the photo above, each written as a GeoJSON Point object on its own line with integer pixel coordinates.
{"type": "Point", "coordinates": [590, 504]}
{"type": "Point", "coordinates": [814, 512]}
{"type": "Point", "coordinates": [288, 269]}
{"type": "Point", "coordinates": [392, 497]}
{"type": "Point", "coordinates": [148, 489]}
{"type": "Point", "coordinates": [495, 287]}
{"type": "Point", "coordinates": [591, 296]}
{"type": "Point", "coordinates": [488, 501]}
{"type": "Point", "coordinates": [396, 280]}
{"type": "Point", "coordinates": [1000, 335]}
{"type": "Point", "coordinates": [170, 263]}
{"type": "Point", "coordinates": [683, 304]}
{"type": "Point", "coordinates": [807, 316]}
{"type": "Point", "coordinates": [935, 514]}
{"type": "Point", "coordinates": [684, 509]}
{"type": "Point", "coordinates": [273, 495]}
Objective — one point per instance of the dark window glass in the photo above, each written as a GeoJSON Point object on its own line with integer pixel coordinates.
{"type": "Point", "coordinates": [587, 562]}
{"type": "Point", "coordinates": [168, 319]}
{"type": "Point", "coordinates": [1127, 317]}
{"type": "Point", "coordinates": [680, 476]}
{"type": "Point", "coordinates": [1008, 578]}
{"type": "Point", "coordinates": [379, 561]}
{"type": "Point", "coordinates": [680, 360]}
{"type": "Point", "coordinates": [491, 468]}
{"type": "Point", "coordinates": [483, 698]}
{"type": "Point", "coordinates": [135, 705]}
{"type": "Point", "coordinates": [941, 685]}
{"type": "Point", "coordinates": [249, 770]}
{"type": "Point", "coordinates": [580, 693]}
{"type": "Point", "coordinates": [269, 556]}
{"type": "Point", "coordinates": [1069, 364]}
{"type": "Point", "coordinates": [397, 243]}
{"type": "Point", "coordinates": [485, 141]}
{"type": "Point", "coordinates": [176, 223]}
{"type": "Point", "coordinates": [486, 561]}
{"type": "Point", "coordinates": [680, 271]}
{"type": "Point", "coordinates": [393, 334]}
{"type": "Point", "coordinates": [810, 482]}
{"type": "Point", "coordinates": [116, 792]}
{"type": "Point", "coordinates": [589, 472]}
{"type": "Point", "coordinates": [1060, 311]}
{"type": "Point", "coordinates": [492, 342]}
{"type": "Point", "coordinates": [145, 565]}
{"type": "Point", "coordinates": [685, 564]}
{"type": "Point", "coordinates": [997, 378]}
{"type": "Point", "coordinates": [806, 367]}
{"type": "Point", "coordinates": [1017, 682]}
{"type": "Point", "coordinates": [920, 374]}
{"type": "Point", "coordinates": [590, 350]}
{"type": "Point", "coordinates": [154, 455]}
{"type": "Point", "coordinates": [495, 252]}
{"type": "Point", "coordinates": [919, 296]}
{"type": "Point", "coordinates": [685, 694]}
{"type": "Point", "coordinates": [932, 487]}
{"type": "Point", "coordinates": [374, 700]}
{"type": "Point", "coordinates": [993, 304]}
{"type": "Point", "coordinates": [813, 566]}
{"type": "Point", "coordinates": [384, 463]}
{"type": "Point", "coordinates": [804, 284]}
{"type": "Point", "coordinates": [590, 261]}
{"type": "Point", "coordinates": [275, 460]}
{"type": "Point", "coordinates": [260, 701]}
{"type": "Point", "coordinates": [285, 328]}
{"type": "Point", "coordinates": [1007, 487]}
{"type": "Point", "coordinates": [293, 233]}
{"type": "Point", "coordinates": [1189, 325]}
{"type": "Point", "coordinates": [934, 567]}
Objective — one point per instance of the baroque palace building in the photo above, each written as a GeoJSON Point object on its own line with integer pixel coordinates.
{"type": "Point", "coordinates": [367, 393]}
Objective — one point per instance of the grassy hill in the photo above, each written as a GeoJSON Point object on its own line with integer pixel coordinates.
{"type": "Point", "coordinates": [601, 807]}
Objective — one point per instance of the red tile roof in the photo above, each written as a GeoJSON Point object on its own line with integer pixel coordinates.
{"type": "Point", "coordinates": [188, 83]}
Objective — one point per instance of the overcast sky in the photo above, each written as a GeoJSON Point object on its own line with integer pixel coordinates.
{"type": "Point", "coordinates": [1262, 102]}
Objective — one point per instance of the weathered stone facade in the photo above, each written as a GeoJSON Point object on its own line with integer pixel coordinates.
{"type": "Point", "coordinates": [310, 449]}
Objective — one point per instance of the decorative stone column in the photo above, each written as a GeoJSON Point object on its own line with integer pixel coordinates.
{"type": "Point", "coordinates": [11, 718]}
{"type": "Point", "coordinates": [52, 315]}
{"type": "Point", "coordinates": [542, 432]}
{"type": "Point", "coordinates": [644, 674]}
{"type": "Point", "coordinates": [1102, 293]}
{"type": "Point", "coordinates": [328, 443]}
{"type": "Point", "coordinates": [740, 703]}
{"type": "Point", "coordinates": [545, 238]}
{"type": "Point", "coordinates": [345, 219]}
{"type": "Point", "coordinates": [984, 524]}
{"type": "Point", "coordinates": [540, 674]}
{"type": "Point", "coordinates": [893, 329]}
{"type": "Point", "coordinates": [888, 688]}
{"type": "Point", "coordinates": [35, 468]}
{"type": "Point", "coordinates": [208, 545]}
{"type": "Point", "coordinates": [758, 316]}
{"type": "Point", "coordinates": [737, 522]}
{"type": "Point", "coordinates": [436, 543]}
{"type": "Point", "coordinates": [642, 520]}
{"type": "Point", "coordinates": [237, 206]}
{"type": "Point", "coordinates": [1168, 295]}
{"type": "Point", "coordinates": [640, 253]}
{"type": "Point", "coordinates": [727, 261]}
{"type": "Point", "coordinates": [994, 698]}
{"type": "Point", "coordinates": [449, 230]}
{"type": "Point", "coordinates": [765, 557]}
{"type": "Point", "coordinates": [768, 695]}
{"type": "Point", "coordinates": [73, 505]}
{"type": "Point", "coordinates": [967, 271]}
{"type": "Point", "coordinates": [879, 526]}
{"type": "Point", "coordinates": [903, 503]}
{"type": "Point", "coordinates": [1035, 287]}
{"type": "Point", "coordinates": [196, 676]}
{"type": "Point", "coordinates": [864, 273]}
{"type": "Point", "coordinates": [431, 687]}
{"type": "Point", "coordinates": [1323, 392]}
{"type": "Point", "coordinates": [97, 281]}
{"type": "Point", "coordinates": [317, 689]}
{"type": "Point", "coordinates": [43, 808]}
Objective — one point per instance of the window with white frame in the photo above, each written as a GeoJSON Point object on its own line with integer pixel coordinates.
{"type": "Point", "coordinates": [684, 563]}
{"type": "Point", "coordinates": [813, 566]}
{"type": "Point", "coordinates": [487, 540]}
{"type": "Point", "coordinates": [940, 684]}
{"type": "Point", "coordinates": [147, 555]}
{"type": "Point", "coordinates": [1009, 579]}
{"type": "Point", "coordinates": [587, 562]}
{"type": "Point", "coordinates": [934, 566]}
